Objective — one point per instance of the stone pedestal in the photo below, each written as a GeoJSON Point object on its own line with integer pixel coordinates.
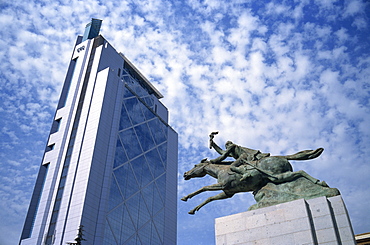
{"type": "Point", "coordinates": [315, 221]}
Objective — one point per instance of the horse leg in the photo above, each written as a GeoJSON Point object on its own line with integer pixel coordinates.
{"type": "Point", "coordinates": [312, 179]}
{"type": "Point", "coordinates": [214, 187]}
{"type": "Point", "coordinates": [289, 176]}
{"type": "Point", "coordinates": [219, 196]}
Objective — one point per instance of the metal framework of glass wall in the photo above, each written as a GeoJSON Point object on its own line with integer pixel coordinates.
{"type": "Point", "coordinates": [137, 192]}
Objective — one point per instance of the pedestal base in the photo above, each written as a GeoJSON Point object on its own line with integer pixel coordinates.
{"type": "Point", "coordinates": [315, 221]}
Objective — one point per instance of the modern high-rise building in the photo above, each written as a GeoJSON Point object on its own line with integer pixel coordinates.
{"type": "Point", "coordinates": [109, 171]}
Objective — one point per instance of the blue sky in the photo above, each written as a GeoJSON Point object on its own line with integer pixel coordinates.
{"type": "Point", "coordinates": [278, 76]}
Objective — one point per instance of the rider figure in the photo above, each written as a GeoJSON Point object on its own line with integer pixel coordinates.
{"type": "Point", "coordinates": [246, 156]}
{"type": "Point", "coordinates": [241, 154]}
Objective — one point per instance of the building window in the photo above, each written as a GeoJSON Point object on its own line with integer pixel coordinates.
{"type": "Point", "coordinates": [50, 147]}
{"type": "Point", "coordinates": [67, 83]}
{"type": "Point", "coordinates": [56, 125]}
{"type": "Point", "coordinates": [35, 201]}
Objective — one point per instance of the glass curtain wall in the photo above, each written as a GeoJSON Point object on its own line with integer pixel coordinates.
{"type": "Point", "coordinates": [137, 192]}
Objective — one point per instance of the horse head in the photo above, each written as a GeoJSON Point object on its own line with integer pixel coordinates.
{"type": "Point", "coordinates": [197, 171]}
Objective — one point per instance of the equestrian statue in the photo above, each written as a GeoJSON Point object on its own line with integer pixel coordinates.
{"type": "Point", "coordinates": [270, 178]}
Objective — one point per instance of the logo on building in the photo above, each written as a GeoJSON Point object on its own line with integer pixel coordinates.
{"type": "Point", "coordinates": [81, 49]}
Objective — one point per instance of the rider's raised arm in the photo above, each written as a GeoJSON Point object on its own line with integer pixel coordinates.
{"type": "Point", "coordinates": [217, 148]}
{"type": "Point", "coordinates": [224, 154]}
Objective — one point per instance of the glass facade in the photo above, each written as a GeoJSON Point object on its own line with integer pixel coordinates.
{"type": "Point", "coordinates": [137, 191]}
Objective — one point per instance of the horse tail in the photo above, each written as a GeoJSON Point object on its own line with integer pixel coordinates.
{"type": "Point", "coordinates": [304, 155]}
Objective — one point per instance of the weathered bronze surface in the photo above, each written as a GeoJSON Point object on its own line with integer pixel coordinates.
{"type": "Point", "coordinates": [270, 178]}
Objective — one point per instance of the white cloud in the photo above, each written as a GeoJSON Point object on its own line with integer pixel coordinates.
{"type": "Point", "coordinates": [342, 35]}
{"type": "Point", "coordinates": [360, 23]}
{"type": "Point", "coordinates": [354, 7]}
{"type": "Point", "coordinates": [273, 8]}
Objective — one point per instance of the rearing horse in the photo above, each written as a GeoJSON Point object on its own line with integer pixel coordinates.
{"type": "Point", "coordinates": [275, 169]}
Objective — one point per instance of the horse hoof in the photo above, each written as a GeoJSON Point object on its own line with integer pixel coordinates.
{"type": "Point", "coordinates": [191, 212]}
{"type": "Point", "coordinates": [184, 199]}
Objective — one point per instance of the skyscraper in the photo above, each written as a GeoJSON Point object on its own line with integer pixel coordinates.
{"type": "Point", "coordinates": [110, 163]}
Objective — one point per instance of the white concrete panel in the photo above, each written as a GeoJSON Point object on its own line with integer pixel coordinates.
{"type": "Point", "coordinates": [298, 222]}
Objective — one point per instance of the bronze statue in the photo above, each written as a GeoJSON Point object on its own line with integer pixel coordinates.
{"type": "Point", "coordinates": [270, 178]}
